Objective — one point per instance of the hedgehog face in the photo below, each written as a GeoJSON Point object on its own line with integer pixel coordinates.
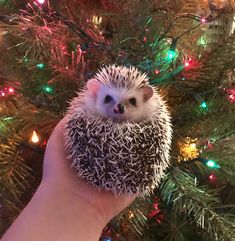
{"type": "Point", "coordinates": [118, 104]}
{"type": "Point", "coordinates": [121, 104]}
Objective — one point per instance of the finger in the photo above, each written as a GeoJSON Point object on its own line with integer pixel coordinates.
{"type": "Point", "coordinates": [55, 143]}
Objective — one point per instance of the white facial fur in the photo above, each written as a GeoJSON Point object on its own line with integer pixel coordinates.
{"type": "Point", "coordinates": [95, 102]}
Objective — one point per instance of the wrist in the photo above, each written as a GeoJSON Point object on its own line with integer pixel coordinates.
{"type": "Point", "coordinates": [71, 211]}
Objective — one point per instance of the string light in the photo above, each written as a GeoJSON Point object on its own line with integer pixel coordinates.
{"type": "Point", "coordinates": [212, 164]}
{"type": "Point", "coordinates": [11, 90]}
{"type": "Point", "coordinates": [7, 91]}
{"type": "Point", "coordinates": [203, 20]}
{"type": "Point", "coordinates": [231, 95]}
{"type": "Point", "coordinates": [41, 1]}
{"type": "Point", "coordinates": [97, 20]}
{"type": "Point", "coordinates": [41, 66]}
{"type": "Point", "coordinates": [231, 98]}
{"type": "Point", "coordinates": [188, 63]}
{"type": "Point", "coordinates": [188, 149]}
{"type": "Point", "coordinates": [171, 54]}
{"type": "Point", "coordinates": [107, 239]}
{"type": "Point", "coordinates": [130, 215]}
{"type": "Point", "coordinates": [204, 105]}
{"type": "Point", "coordinates": [212, 178]}
{"type": "Point", "coordinates": [209, 145]}
{"type": "Point", "coordinates": [47, 89]}
{"type": "Point", "coordinates": [157, 71]}
{"type": "Point", "coordinates": [34, 138]}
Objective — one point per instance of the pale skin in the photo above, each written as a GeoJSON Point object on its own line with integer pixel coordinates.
{"type": "Point", "coordinates": [64, 207]}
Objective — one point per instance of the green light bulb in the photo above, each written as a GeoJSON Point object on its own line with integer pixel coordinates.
{"type": "Point", "coordinates": [171, 54]}
{"type": "Point", "coordinates": [41, 66]}
{"type": "Point", "coordinates": [203, 105]}
{"type": "Point", "coordinates": [48, 89]}
{"type": "Point", "coordinates": [212, 164]}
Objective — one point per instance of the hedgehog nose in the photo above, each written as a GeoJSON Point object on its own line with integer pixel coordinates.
{"type": "Point", "coordinates": [119, 109]}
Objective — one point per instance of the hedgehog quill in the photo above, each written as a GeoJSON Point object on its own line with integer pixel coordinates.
{"type": "Point", "coordinates": [118, 132]}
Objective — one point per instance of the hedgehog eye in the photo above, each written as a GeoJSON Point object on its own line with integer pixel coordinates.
{"type": "Point", "coordinates": [132, 101]}
{"type": "Point", "coordinates": [107, 99]}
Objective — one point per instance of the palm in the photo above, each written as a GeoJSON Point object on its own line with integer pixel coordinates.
{"type": "Point", "coordinates": [57, 172]}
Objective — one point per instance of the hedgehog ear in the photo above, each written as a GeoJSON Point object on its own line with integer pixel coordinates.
{"type": "Point", "coordinates": [147, 92]}
{"type": "Point", "coordinates": [93, 85]}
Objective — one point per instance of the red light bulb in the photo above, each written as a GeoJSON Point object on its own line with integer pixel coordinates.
{"type": "Point", "coordinates": [203, 20]}
{"type": "Point", "coordinates": [212, 178]}
{"type": "Point", "coordinates": [188, 63]}
{"type": "Point", "coordinates": [11, 90]}
{"type": "Point", "coordinates": [157, 71]}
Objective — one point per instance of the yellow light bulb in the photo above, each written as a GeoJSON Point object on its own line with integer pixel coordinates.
{"type": "Point", "coordinates": [34, 137]}
{"type": "Point", "coordinates": [130, 215]}
{"type": "Point", "coordinates": [188, 149]}
{"type": "Point", "coordinates": [97, 20]}
{"type": "Point", "coordinates": [193, 146]}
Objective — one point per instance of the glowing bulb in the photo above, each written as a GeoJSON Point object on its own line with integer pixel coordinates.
{"type": "Point", "coordinates": [131, 215]}
{"type": "Point", "coordinates": [193, 146]}
{"type": "Point", "coordinates": [48, 89]}
{"type": "Point", "coordinates": [157, 71]}
{"type": "Point", "coordinates": [188, 149]}
{"type": "Point", "coordinates": [107, 239]}
{"type": "Point", "coordinates": [186, 64]}
{"type": "Point", "coordinates": [3, 94]}
{"type": "Point", "coordinates": [212, 164]}
{"type": "Point", "coordinates": [212, 177]}
{"type": "Point", "coordinates": [203, 20]}
{"type": "Point", "coordinates": [11, 90]}
{"type": "Point", "coordinates": [203, 105]}
{"type": "Point", "coordinates": [209, 145]}
{"type": "Point", "coordinates": [170, 54]}
{"type": "Point", "coordinates": [97, 20]}
{"type": "Point", "coordinates": [34, 137]}
{"type": "Point", "coordinates": [231, 98]}
{"type": "Point", "coordinates": [41, 1]}
{"type": "Point", "coordinates": [41, 66]}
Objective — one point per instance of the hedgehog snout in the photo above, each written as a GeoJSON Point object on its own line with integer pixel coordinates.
{"type": "Point", "coordinates": [119, 108]}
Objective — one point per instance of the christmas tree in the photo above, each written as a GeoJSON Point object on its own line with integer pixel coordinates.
{"type": "Point", "coordinates": [187, 48]}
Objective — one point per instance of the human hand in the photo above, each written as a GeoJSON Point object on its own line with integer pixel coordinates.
{"type": "Point", "coordinates": [58, 174]}
{"type": "Point", "coordinates": [64, 207]}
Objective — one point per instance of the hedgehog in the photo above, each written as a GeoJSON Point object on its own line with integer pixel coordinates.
{"type": "Point", "coordinates": [118, 132]}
